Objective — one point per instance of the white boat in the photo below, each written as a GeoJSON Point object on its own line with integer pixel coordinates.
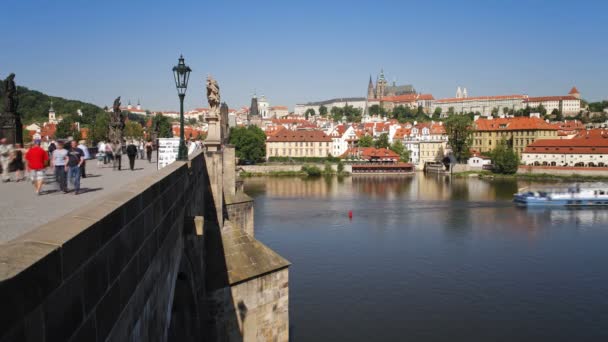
{"type": "Point", "coordinates": [572, 197]}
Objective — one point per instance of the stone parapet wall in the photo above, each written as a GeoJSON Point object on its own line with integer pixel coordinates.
{"type": "Point", "coordinates": [104, 272]}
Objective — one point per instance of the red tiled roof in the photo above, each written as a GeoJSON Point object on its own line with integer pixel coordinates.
{"type": "Point", "coordinates": [278, 108]}
{"type": "Point", "coordinates": [512, 124]}
{"type": "Point", "coordinates": [288, 136]}
{"type": "Point", "coordinates": [550, 98]}
{"type": "Point", "coordinates": [591, 145]}
{"type": "Point", "coordinates": [573, 91]}
{"type": "Point", "coordinates": [478, 98]}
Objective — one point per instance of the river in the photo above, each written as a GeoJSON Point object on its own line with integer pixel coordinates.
{"type": "Point", "coordinates": [428, 258]}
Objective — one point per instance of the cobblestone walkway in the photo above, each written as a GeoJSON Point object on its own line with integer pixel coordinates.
{"type": "Point", "coordinates": [21, 210]}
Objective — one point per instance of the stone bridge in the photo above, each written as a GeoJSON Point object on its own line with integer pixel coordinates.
{"type": "Point", "coordinates": [170, 257]}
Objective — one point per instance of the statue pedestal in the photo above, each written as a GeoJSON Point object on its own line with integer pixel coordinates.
{"type": "Point", "coordinates": [214, 138]}
{"type": "Point", "coordinates": [11, 129]}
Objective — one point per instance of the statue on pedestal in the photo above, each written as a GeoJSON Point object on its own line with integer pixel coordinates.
{"type": "Point", "coordinates": [10, 121]}
{"type": "Point", "coordinates": [116, 127]}
{"type": "Point", "coordinates": [214, 138]}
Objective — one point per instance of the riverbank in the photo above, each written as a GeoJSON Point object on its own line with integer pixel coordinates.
{"type": "Point", "coordinates": [532, 176]}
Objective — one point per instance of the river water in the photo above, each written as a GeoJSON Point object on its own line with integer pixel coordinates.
{"type": "Point", "coordinates": [426, 258]}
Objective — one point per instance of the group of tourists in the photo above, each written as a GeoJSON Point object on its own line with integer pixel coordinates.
{"type": "Point", "coordinates": [66, 160]}
{"type": "Point", "coordinates": [109, 153]}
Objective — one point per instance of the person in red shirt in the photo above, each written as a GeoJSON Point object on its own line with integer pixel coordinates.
{"type": "Point", "coordinates": [36, 163]}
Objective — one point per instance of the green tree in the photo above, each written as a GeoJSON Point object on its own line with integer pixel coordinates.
{"type": "Point", "coordinates": [437, 113]}
{"type": "Point", "coordinates": [377, 110]}
{"type": "Point", "coordinates": [340, 167]}
{"type": "Point", "coordinates": [352, 114]}
{"type": "Point", "coordinates": [309, 112]}
{"type": "Point", "coordinates": [557, 114]}
{"type": "Point", "coordinates": [133, 130]}
{"type": "Point", "coordinates": [99, 129]}
{"type": "Point", "coordinates": [249, 142]}
{"type": "Point", "coordinates": [505, 110]}
{"type": "Point", "coordinates": [504, 159]}
{"type": "Point", "coordinates": [323, 111]}
{"type": "Point", "coordinates": [327, 169]}
{"type": "Point", "coordinates": [164, 125]}
{"type": "Point", "coordinates": [336, 113]}
{"type": "Point", "coordinates": [450, 111]}
{"type": "Point", "coordinates": [366, 141]}
{"type": "Point", "coordinates": [66, 128]}
{"type": "Point", "coordinates": [404, 154]}
{"type": "Point", "coordinates": [495, 111]}
{"type": "Point", "coordinates": [382, 141]}
{"type": "Point", "coordinates": [459, 131]}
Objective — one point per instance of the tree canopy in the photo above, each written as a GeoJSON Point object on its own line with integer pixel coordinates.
{"type": "Point", "coordinates": [459, 131]}
{"type": "Point", "coordinates": [504, 159]}
{"type": "Point", "coordinates": [382, 141]}
{"type": "Point", "coordinates": [165, 126]}
{"type": "Point", "coordinates": [133, 130]}
{"type": "Point", "coordinates": [34, 107]}
{"type": "Point", "coordinates": [323, 111]}
{"type": "Point", "coordinates": [404, 154]}
{"type": "Point", "coordinates": [366, 141]}
{"type": "Point", "coordinates": [249, 142]}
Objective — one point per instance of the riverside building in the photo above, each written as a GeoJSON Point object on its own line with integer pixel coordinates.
{"type": "Point", "coordinates": [518, 132]}
{"type": "Point", "coordinates": [301, 143]}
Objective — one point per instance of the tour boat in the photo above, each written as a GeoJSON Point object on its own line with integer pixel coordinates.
{"type": "Point", "coordinates": [572, 197]}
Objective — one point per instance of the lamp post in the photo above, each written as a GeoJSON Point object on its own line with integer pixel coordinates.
{"type": "Point", "coordinates": [181, 73]}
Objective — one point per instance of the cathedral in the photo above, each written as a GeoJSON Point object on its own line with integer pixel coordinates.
{"type": "Point", "coordinates": [383, 89]}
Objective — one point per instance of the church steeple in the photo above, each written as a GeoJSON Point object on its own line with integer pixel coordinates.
{"type": "Point", "coordinates": [52, 116]}
{"type": "Point", "coordinates": [370, 89]}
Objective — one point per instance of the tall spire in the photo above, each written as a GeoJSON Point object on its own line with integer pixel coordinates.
{"type": "Point", "coordinates": [370, 88]}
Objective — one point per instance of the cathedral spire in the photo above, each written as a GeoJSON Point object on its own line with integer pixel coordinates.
{"type": "Point", "coordinates": [370, 88]}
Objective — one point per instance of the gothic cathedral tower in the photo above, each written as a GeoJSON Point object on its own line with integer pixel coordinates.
{"type": "Point", "coordinates": [381, 86]}
{"type": "Point", "coordinates": [370, 89]}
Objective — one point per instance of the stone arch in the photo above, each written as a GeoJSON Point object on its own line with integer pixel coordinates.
{"type": "Point", "coordinates": [185, 322]}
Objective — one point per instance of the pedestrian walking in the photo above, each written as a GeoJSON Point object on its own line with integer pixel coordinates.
{"type": "Point", "coordinates": [149, 150]}
{"type": "Point", "coordinates": [16, 164]}
{"type": "Point", "coordinates": [74, 160]}
{"type": "Point", "coordinates": [36, 163]}
{"type": "Point", "coordinates": [140, 149]}
{"type": "Point", "coordinates": [109, 153]}
{"type": "Point", "coordinates": [6, 150]}
{"type": "Point", "coordinates": [82, 145]}
{"type": "Point", "coordinates": [117, 157]}
{"type": "Point", "coordinates": [58, 164]}
{"type": "Point", "coordinates": [131, 153]}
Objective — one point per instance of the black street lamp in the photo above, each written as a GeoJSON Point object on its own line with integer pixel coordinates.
{"type": "Point", "coordinates": [181, 72]}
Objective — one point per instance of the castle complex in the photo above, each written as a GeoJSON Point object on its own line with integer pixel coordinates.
{"type": "Point", "coordinates": [382, 89]}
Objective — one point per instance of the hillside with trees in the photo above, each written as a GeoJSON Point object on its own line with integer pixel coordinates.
{"type": "Point", "coordinates": [34, 107]}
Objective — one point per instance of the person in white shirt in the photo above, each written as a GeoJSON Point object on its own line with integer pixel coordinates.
{"type": "Point", "coordinates": [85, 150]}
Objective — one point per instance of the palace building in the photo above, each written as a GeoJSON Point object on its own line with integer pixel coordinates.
{"type": "Point", "coordinates": [518, 132]}
{"type": "Point", "coordinates": [301, 143]}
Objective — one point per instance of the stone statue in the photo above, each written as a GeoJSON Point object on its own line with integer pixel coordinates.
{"type": "Point", "coordinates": [213, 96]}
{"type": "Point", "coordinates": [214, 134]}
{"type": "Point", "coordinates": [10, 95]}
{"type": "Point", "coordinates": [224, 128]}
{"type": "Point", "coordinates": [116, 127]}
{"type": "Point", "coordinates": [10, 121]}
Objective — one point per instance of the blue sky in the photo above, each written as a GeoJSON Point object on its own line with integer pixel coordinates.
{"type": "Point", "coordinates": [299, 51]}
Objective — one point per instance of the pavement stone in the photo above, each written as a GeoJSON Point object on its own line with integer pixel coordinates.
{"type": "Point", "coordinates": [21, 210]}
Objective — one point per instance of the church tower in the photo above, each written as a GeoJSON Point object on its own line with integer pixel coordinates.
{"type": "Point", "coordinates": [381, 85]}
{"type": "Point", "coordinates": [458, 93]}
{"type": "Point", "coordinates": [52, 116]}
{"type": "Point", "coordinates": [370, 89]}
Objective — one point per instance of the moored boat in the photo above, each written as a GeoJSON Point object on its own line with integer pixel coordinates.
{"type": "Point", "coordinates": [572, 197]}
